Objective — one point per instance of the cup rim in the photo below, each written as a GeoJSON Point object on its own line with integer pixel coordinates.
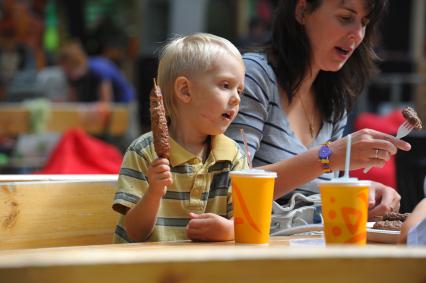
{"type": "Point", "coordinates": [253, 173]}
{"type": "Point", "coordinates": [352, 182]}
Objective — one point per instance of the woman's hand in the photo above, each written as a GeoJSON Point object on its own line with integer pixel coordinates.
{"type": "Point", "coordinates": [209, 227]}
{"type": "Point", "coordinates": [369, 148]}
{"type": "Point", "coordinates": [382, 199]}
{"type": "Point", "coordinates": [159, 176]}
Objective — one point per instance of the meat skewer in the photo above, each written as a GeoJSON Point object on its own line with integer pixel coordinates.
{"type": "Point", "coordinates": [159, 122]}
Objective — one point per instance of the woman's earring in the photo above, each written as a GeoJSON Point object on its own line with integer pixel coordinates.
{"type": "Point", "coordinates": [302, 17]}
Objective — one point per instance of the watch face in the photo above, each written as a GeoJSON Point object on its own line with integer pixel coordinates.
{"type": "Point", "coordinates": [324, 152]}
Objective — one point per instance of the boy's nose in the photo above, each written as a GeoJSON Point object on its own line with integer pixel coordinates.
{"type": "Point", "coordinates": [235, 99]}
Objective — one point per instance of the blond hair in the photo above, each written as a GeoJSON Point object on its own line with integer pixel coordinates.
{"type": "Point", "coordinates": [187, 56]}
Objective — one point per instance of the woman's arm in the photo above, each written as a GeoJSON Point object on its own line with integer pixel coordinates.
{"type": "Point", "coordinates": [305, 167]}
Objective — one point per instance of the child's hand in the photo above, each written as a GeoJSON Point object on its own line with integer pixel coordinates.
{"type": "Point", "coordinates": [209, 227]}
{"type": "Point", "coordinates": [159, 176]}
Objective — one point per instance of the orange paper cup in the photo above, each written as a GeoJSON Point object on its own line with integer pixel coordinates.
{"type": "Point", "coordinates": [344, 211]}
{"type": "Point", "coordinates": [252, 196]}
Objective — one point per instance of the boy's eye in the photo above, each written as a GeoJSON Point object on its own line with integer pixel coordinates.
{"type": "Point", "coordinates": [226, 85]}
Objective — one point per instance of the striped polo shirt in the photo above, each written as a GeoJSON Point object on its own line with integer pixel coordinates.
{"type": "Point", "coordinates": [197, 187]}
{"type": "Point", "coordinates": [269, 134]}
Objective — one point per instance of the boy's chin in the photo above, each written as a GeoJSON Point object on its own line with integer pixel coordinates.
{"type": "Point", "coordinates": [218, 131]}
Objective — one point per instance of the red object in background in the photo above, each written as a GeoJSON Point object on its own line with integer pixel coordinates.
{"type": "Point", "coordinates": [387, 124]}
{"type": "Point", "coordinates": [79, 153]}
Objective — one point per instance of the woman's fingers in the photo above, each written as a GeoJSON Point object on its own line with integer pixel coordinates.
{"type": "Point", "coordinates": [369, 148]}
{"type": "Point", "coordinates": [376, 135]}
{"type": "Point", "coordinates": [387, 200]}
{"type": "Point", "coordinates": [380, 154]}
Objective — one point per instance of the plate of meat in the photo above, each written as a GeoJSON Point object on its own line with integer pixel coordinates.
{"type": "Point", "coordinates": [386, 229]}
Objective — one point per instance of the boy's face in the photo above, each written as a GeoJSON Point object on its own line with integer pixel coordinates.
{"type": "Point", "coordinates": [216, 95]}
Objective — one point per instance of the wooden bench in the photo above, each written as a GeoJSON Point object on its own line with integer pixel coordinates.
{"type": "Point", "coordinates": [56, 213]}
{"type": "Point", "coordinates": [15, 119]}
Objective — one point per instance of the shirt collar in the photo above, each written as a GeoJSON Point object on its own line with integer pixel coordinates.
{"type": "Point", "coordinates": [222, 148]}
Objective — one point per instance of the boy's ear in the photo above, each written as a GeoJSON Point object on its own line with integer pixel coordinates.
{"type": "Point", "coordinates": [182, 89]}
{"type": "Point", "coordinates": [299, 13]}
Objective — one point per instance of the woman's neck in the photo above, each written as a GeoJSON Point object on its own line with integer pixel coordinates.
{"type": "Point", "coordinates": [305, 88]}
{"type": "Point", "coordinates": [302, 112]}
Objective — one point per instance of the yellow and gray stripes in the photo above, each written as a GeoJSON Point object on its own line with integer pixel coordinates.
{"type": "Point", "coordinates": [197, 187]}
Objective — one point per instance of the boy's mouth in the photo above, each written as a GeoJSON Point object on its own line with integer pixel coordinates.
{"type": "Point", "coordinates": [228, 115]}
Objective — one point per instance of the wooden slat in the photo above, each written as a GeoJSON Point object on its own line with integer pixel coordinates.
{"type": "Point", "coordinates": [5, 178]}
{"type": "Point", "coordinates": [214, 262]}
{"type": "Point", "coordinates": [15, 119]}
{"type": "Point", "coordinates": [56, 213]}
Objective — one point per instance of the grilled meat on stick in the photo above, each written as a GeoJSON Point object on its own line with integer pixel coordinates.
{"type": "Point", "coordinates": [159, 122]}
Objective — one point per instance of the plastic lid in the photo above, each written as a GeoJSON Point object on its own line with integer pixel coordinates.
{"type": "Point", "coordinates": [347, 181]}
{"type": "Point", "coordinates": [254, 173]}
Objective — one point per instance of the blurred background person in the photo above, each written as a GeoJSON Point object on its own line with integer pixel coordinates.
{"type": "Point", "coordinates": [258, 34]}
{"type": "Point", "coordinates": [93, 79]}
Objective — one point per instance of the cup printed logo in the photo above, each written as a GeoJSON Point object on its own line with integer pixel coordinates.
{"type": "Point", "coordinates": [245, 211]}
{"type": "Point", "coordinates": [352, 218]}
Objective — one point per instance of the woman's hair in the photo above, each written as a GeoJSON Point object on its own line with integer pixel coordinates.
{"type": "Point", "coordinates": [188, 56]}
{"type": "Point", "coordinates": [290, 54]}
{"type": "Point", "coordinates": [72, 54]}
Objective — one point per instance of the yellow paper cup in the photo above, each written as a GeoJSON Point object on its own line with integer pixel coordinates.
{"type": "Point", "coordinates": [344, 211]}
{"type": "Point", "coordinates": [252, 196]}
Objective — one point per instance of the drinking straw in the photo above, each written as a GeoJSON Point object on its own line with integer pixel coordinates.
{"type": "Point", "coordinates": [246, 149]}
{"type": "Point", "coordinates": [348, 156]}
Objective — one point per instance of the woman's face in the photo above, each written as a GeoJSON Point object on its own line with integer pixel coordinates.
{"type": "Point", "coordinates": [335, 29]}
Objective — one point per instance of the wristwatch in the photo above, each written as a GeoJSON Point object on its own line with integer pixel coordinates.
{"type": "Point", "coordinates": [324, 157]}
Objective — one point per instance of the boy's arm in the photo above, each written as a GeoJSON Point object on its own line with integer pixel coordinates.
{"type": "Point", "coordinates": [140, 220]}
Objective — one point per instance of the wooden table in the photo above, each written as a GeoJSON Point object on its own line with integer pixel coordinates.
{"type": "Point", "coordinates": [215, 262]}
{"type": "Point", "coordinates": [15, 118]}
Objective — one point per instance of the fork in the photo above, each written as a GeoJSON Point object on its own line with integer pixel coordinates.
{"type": "Point", "coordinates": [403, 130]}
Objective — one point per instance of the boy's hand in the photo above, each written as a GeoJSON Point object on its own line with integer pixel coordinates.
{"type": "Point", "coordinates": [209, 227]}
{"type": "Point", "coordinates": [159, 176]}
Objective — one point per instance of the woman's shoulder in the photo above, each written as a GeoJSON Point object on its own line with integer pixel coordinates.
{"type": "Point", "coordinates": [256, 59]}
{"type": "Point", "coordinates": [257, 65]}
{"type": "Point", "coordinates": [256, 56]}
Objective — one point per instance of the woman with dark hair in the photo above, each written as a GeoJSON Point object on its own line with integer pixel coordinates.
{"type": "Point", "coordinates": [298, 92]}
